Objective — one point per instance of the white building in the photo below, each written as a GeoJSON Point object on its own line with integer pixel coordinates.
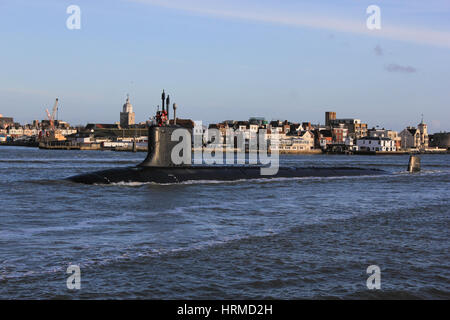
{"type": "Point", "coordinates": [376, 144]}
{"type": "Point", "coordinates": [15, 131]}
{"type": "Point", "coordinates": [303, 142]}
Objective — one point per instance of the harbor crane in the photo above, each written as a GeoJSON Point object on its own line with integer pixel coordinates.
{"type": "Point", "coordinates": [51, 133]}
{"type": "Point", "coordinates": [51, 117]}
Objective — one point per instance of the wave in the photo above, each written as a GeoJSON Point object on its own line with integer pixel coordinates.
{"type": "Point", "coordinates": [238, 181]}
{"type": "Point", "coordinates": [271, 180]}
{"type": "Point", "coordinates": [143, 253]}
{"type": "Point", "coordinates": [139, 254]}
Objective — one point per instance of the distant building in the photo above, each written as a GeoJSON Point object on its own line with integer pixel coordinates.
{"type": "Point", "coordinates": [412, 138]}
{"type": "Point", "coordinates": [423, 133]}
{"type": "Point", "coordinates": [322, 138]}
{"type": "Point", "coordinates": [339, 134]}
{"type": "Point", "coordinates": [329, 115]}
{"type": "Point", "coordinates": [185, 123]}
{"type": "Point", "coordinates": [376, 144]}
{"type": "Point", "coordinates": [6, 121]}
{"type": "Point", "coordinates": [304, 141]}
{"type": "Point", "coordinates": [257, 120]}
{"type": "Point", "coordinates": [93, 126]}
{"type": "Point", "coordinates": [127, 115]}
{"type": "Point", "coordinates": [307, 126]}
{"type": "Point", "coordinates": [15, 131]}
{"type": "Point", "coordinates": [295, 127]}
{"type": "Point", "coordinates": [391, 134]}
{"type": "Point", "coordinates": [356, 129]}
{"type": "Point", "coordinates": [377, 133]}
{"type": "Point", "coordinates": [440, 140]}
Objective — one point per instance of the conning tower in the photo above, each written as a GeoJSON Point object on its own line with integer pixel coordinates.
{"type": "Point", "coordinates": [160, 142]}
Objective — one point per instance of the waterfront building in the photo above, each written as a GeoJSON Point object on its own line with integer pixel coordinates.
{"type": "Point", "coordinates": [67, 131]}
{"type": "Point", "coordinates": [339, 134]}
{"type": "Point", "coordinates": [410, 138]}
{"type": "Point", "coordinates": [356, 129]}
{"type": "Point", "coordinates": [127, 115]}
{"type": "Point", "coordinates": [349, 142]}
{"type": "Point", "coordinates": [376, 144]}
{"type": "Point", "coordinates": [322, 138]}
{"type": "Point", "coordinates": [15, 131]}
{"type": "Point", "coordinates": [393, 135]}
{"type": "Point", "coordinates": [384, 133]}
{"type": "Point", "coordinates": [415, 138]}
{"type": "Point", "coordinates": [306, 139]}
{"type": "Point", "coordinates": [303, 141]}
{"type": "Point", "coordinates": [440, 140]}
{"type": "Point", "coordinates": [30, 131]}
{"type": "Point", "coordinates": [423, 134]}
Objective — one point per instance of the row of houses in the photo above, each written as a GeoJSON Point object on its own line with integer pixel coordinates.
{"type": "Point", "coordinates": [17, 132]}
{"type": "Point", "coordinates": [339, 134]}
{"type": "Point", "coordinates": [346, 134]}
{"type": "Point", "coordinates": [291, 136]}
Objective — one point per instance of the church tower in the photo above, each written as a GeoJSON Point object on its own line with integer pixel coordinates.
{"type": "Point", "coordinates": [423, 131]}
{"type": "Point", "coordinates": [127, 115]}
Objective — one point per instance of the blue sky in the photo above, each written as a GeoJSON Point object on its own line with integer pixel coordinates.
{"type": "Point", "coordinates": [228, 60]}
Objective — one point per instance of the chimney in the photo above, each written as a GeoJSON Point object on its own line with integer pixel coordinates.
{"type": "Point", "coordinates": [174, 113]}
{"type": "Point", "coordinates": [168, 107]}
{"type": "Point", "coordinates": [163, 98]}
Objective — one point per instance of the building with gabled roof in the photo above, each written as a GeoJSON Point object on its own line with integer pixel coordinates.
{"type": "Point", "coordinates": [415, 138]}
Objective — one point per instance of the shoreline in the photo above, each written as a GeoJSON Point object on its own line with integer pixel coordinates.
{"type": "Point", "coordinates": [97, 147]}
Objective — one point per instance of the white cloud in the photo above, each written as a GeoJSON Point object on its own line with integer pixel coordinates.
{"type": "Point", "coordinates": [298, 19]}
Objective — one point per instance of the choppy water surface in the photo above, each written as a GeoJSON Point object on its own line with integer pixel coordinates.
{"type": "Point", "coordinates": [287, 238]}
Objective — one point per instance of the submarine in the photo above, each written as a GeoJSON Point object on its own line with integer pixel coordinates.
{"type": "Point", "coordinates": [158, 166]}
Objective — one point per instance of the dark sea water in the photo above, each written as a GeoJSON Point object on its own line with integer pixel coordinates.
{"type": "Point", "coordinates": [286, 238]}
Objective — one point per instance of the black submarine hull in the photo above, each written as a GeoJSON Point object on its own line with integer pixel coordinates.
{"type": "Point", "coordinates": [211, 173]}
